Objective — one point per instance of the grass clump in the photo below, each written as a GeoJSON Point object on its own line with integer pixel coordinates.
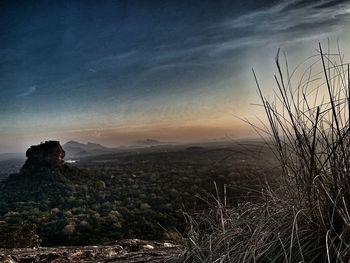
{"type": "Point", "coordinates": [306, 218]}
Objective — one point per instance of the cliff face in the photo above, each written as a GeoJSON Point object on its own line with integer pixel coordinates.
{"type": "Point", "coordinates": [49, 155]}
{"type": "Point", "coordinates": [44, 175]}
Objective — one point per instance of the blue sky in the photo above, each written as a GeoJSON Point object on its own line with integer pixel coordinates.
{"type": "Point", "coordinates": [115, 72]}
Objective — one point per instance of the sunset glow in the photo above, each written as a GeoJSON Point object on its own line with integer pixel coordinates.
{"type": "Point", "coordinates": [120, 71]}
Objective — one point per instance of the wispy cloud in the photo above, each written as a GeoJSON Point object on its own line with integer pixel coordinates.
{"type": "Point", "coordinates": [28, 92]}
{"type": "Point", "coordinates": [288, 21]}
{"type": "Point", "coordinates": [292, 18]}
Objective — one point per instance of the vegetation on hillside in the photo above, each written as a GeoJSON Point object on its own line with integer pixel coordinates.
{"type": "Point", "coordinates": [115, 197]}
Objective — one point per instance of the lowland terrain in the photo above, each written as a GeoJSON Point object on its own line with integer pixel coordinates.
{"type": "Point", "coordinates": [138, 193]}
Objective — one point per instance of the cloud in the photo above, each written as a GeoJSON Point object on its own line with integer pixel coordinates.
{"type": "Point", "coordinates": [28, 92]}
{"type": "Point", "coordinates": [288, 21]}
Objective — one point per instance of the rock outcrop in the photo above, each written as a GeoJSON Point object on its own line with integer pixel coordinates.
{"type": "Point", "coordinates": [49, 154]}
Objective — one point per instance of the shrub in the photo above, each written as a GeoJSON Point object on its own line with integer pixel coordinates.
{"type": "Point", "coordinates": [307, 219]}
{"type": "Point", "coordinates": [22, 235]}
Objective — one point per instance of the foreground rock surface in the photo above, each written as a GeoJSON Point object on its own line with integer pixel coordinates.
{"type": "Point", "coordinates": [132, 251]}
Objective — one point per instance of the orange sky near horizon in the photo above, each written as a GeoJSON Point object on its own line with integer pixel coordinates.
{"type": "Point", "coordinates": [119, 72]}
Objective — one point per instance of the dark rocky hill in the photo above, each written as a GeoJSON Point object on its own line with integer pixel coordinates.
{"type": "Point", "coordinates": [44, 197]}
{"type": "Point", "coordinates": [45, 155]}
{"type": "Point", "coordinates": [44, 177]}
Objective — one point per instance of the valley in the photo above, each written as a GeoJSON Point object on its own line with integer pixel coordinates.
{"type": "Point", "coordinates": [140, 193]}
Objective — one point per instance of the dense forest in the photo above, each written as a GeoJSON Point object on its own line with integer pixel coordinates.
{"type": "Point", "coordinates": [106, 198]}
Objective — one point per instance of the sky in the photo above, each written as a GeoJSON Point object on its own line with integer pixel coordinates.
{"type": "Point", "coordinates": [115, 72]}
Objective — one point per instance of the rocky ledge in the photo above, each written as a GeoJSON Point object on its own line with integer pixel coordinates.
{"type": "Point", "coordinates": [49, 154]}
{"type": "Point", "coordinates": [131, 251]}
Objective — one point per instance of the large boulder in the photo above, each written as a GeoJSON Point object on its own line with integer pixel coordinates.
{"type": "Point", "coordinates": [49, 154]}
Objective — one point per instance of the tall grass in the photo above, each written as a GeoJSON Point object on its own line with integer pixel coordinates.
{"type": "Point", "coordinates": [307, 218]}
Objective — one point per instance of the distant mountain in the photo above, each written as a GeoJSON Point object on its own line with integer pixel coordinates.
{"type": "Point", "coordinates": [75, 149]}
{"type": "Point", "coordinates": [87, 146]}
{"type": "Point", "coordinates": [148, 142]}
{"type": "Point", "coordinates": [194, 148]}
{"type": "Point", "coordinates": [11, 156]}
